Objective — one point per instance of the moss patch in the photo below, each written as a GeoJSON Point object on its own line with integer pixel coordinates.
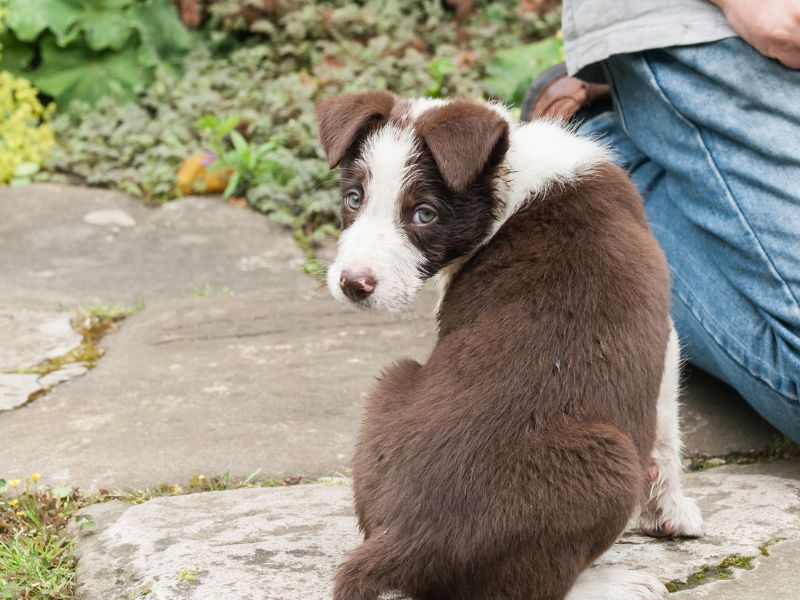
{"type": "Point", "coordinates": [92, 324]}
{"type": "Point", "coordinates": [783, 449]}
{"type": "Point", "coordinates": [764, 548]}
{"type": "Point", "coordinates": [188, 577]}
{"type": "Point", "coordinates": [708, 573]}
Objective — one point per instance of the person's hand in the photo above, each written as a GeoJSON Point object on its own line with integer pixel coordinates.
{"type": "Point", "coordinates": [771, 26]}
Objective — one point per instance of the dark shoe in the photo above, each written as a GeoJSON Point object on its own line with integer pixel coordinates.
{"type": "Point", "coordinates": [556, 94]}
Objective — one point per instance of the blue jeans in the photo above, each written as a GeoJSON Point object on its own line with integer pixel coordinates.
{"type": "Point", "coordinates": [710, 134]}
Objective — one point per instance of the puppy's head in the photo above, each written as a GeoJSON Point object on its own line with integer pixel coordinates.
{"type": "Point", "coordinates": [417, 189]}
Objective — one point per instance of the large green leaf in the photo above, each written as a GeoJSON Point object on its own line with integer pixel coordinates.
{"type": "Point", "coordinates": [107, 30]}
{"type": "Point", "coordinates": [104, 22]}
{"type": "Point", "coordinates": [28, 18]}
{"type": "Point", "coordinates": [14, 56]}
{"type": "Point", "coordinates": [77, 72]}
{"type": "Point", "coordinates": [161, 31]}
{"type": "Point", "coordinates": [511, 71]}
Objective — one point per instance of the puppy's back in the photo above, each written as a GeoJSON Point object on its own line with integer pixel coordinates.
{"type": "Point", "coordinates": [567, 305]}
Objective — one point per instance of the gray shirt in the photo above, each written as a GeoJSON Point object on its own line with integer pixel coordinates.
{"type": "Point", "coordinates": [593, 30]}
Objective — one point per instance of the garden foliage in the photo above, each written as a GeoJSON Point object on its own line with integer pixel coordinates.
{"type": "Point", "coordinates": [25, 134]}
{"type": "Point", "coordinates": [88, 49]}
{"type": "Point", "coordinates": [265, 64]}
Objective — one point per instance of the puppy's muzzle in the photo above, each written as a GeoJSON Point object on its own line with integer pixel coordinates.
{"type": "Point", "coordinates": [357, 286]}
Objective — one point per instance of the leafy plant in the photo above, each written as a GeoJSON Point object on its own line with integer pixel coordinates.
{"type": "Point", "coordinates": [251, 164]}
{"type": "Point", "coordinates": [439, 69]}
{"type": "Point", "coordinates": [87, 49]}
{"type": "Point", "coordinates": [511, 71]}
{"type": "Point", "coordinates": [36, 559]}
{"type": "Point", "coordinates": [26, 137]}
{"type": "Point", "coordinates": [286, 56]}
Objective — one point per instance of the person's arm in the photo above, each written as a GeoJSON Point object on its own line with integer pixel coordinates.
{"type": "Point", "coordinates": [771, 26]}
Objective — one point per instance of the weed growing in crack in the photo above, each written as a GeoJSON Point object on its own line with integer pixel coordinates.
{"type": "Point", "coordinates": [37, 557]}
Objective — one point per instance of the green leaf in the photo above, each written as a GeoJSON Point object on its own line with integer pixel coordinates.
{"type": "Point", "coordinates": [313, 268]}
{"type": "Point", "coordinates": [27, 19]}
{"type": "Point", "coordinates": [511, 71]}
{"type": "Point", "coordinates": [233, 183]}
{"type": "Point", "coordinates": [105, 26]}
{"type": "Point", "coordinates": [103, 21]}
{"type": "Point", "coordinates": [60, 492]}
{"type": "Point", "coordinates": [251, 477]}
{"type": "Point", "coordinates": [26, 169]}
{"type": "Point", "coordinates": [61, 17]}
{"type": "Point", "coordinates": [239, 143]}
{"type": "Point", "coordinates": [161, 30]}
{"type": "Point", "coordinates": [78, 73]}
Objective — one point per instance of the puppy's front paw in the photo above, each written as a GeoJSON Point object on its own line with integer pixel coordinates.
{"type": "Point", "coordinates": [605, 583]}
{"type": "Point", "coordinates": [672, 515]}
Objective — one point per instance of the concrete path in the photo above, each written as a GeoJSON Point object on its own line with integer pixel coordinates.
{"type": "Point", "coordinates": [284, 543]}
{"type": "Point", "coordinates": [237, 362]}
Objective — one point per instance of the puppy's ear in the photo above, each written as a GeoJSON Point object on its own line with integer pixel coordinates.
{"type": "Point", "coordinates": [464, 138]}
{"type": "Point", "coordinates": [341, 118]}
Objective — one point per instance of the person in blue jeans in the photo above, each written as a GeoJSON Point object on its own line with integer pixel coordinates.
{"type": "Point", "coordinates": [704, 114]}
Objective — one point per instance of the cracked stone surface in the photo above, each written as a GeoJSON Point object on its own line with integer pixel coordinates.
{"type": "Point", "coordinates": [202, 385]}
{"type": "Point", "coordinates": [28, 337]}
{"type": "Point", "coordinates": [16, 388]}
{"type": "Point", "coordinates": [775, 578]}
{"type": "Point", "coordinates": [284, 543]}
{"type": "Point", "coordinates": [240, 363]}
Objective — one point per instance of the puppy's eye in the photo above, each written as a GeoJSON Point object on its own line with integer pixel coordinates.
{"type": "Point", "coordinates": [352, 201]}
{"type": "Point", "coordinates": [424, 215]}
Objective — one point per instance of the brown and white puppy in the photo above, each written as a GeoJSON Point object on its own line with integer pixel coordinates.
{"type": "Point", "coordinates": [504, 466]}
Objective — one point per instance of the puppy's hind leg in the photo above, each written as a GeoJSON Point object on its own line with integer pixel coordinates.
{"type": "Point", "coordinates": [378, 565]}
{"type": "Point", "coordinates": [667, 511]}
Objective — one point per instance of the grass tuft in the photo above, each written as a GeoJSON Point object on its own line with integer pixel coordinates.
{"type": "Point", "coordinates": [37, 555]}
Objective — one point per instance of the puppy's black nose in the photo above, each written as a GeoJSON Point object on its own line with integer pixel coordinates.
{"type": "Point", "coordinates": [357, 286]}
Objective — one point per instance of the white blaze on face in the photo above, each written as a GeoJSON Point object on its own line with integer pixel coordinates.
{"type": "Point", "coordinates": [376, 241]}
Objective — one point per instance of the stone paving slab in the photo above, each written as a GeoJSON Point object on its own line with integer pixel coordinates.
{"type": "Point", "coordinates": [284, 543]}
{"type": "Point", "coordinates": [202, 385]}
{"type": "Point", "coordinates": [76, 246]}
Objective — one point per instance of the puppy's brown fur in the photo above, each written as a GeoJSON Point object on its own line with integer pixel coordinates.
{"type": "Point", "coordinates": [514, 457]}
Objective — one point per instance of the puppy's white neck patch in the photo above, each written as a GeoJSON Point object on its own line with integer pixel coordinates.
{"type": "Point", "coordinates": [543, 154]}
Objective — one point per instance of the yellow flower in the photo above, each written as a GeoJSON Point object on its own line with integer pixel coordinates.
{"type": "Point", "coordinates": [35, 477]}
{"type": "Point", "coordinates": [14, 502]}
{"type": "Point", "coordinates": [20, 513]}
{"type": "Point", "coordinates": [14, 483]}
